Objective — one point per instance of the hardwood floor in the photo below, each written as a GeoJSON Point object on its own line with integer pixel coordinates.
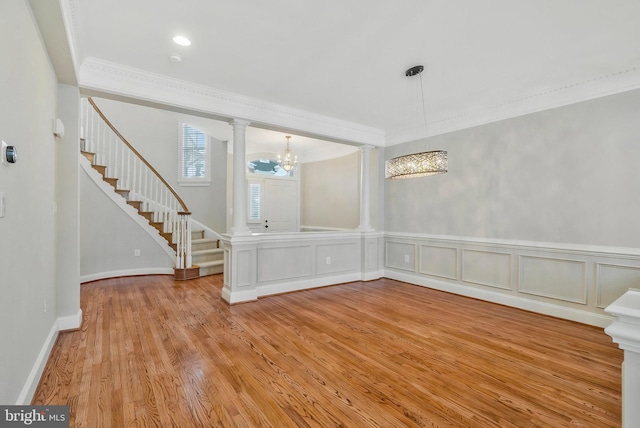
{"type": "Point", "coordinates": [154, 352]}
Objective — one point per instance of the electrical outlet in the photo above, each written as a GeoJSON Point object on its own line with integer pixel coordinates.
{"type": "Point", "coordinates": [44, 306]}
{"type": "Point", "coordinates": [328, 260]}
{"type": "Point", "coordinates": [136, 252]}
{"type": "Point", "coordinates": [406, 258]}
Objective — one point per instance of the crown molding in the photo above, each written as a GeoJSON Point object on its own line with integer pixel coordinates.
{"type": "Point", "coordinates": [596, 87]}
{"type": "Point", "coordinates": [70, 18]}
{"type": "Point", "coordinates": [120, 80]}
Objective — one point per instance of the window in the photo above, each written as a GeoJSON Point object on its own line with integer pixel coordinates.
{"type": "Point", "coordinates": [194, 157]}
{"type": "Point", "coordinates": [267, 167]}
{"type": "Point", "coordinates": [255, 199]}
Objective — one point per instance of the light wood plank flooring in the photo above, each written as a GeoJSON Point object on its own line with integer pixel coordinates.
{"type": "Point", "coordinates": [154, 352]}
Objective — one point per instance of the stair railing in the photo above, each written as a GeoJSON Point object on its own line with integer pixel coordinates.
{"type": "Point", "coordinates": [135, 173]}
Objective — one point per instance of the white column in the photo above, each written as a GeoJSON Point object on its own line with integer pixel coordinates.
{"type": "Point", "coordinates": [365, 189]}
{"type": "Point", "coordinates": [625, 331]}
{"type": "Point", "coordinates": [239, 179]}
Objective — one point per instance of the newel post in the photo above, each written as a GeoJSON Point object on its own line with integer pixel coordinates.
{"type": "Point", "coordinates": [625, 331]}
{"type": "Point", "coordinates": [183, 246]}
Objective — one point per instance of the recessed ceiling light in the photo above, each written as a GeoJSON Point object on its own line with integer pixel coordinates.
{"type": "Point", "coordinates": [175, 58]}
{"type": "Point", "coordinates": [182, 41]}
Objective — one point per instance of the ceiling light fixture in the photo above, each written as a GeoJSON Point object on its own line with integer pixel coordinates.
{"type": "Point", "coordinates": [182, 41]}
{"type": "Point", "coordinates": [417, 164]}
{"type": "Point", "coordinates": [289, 162]}
{"type": "Point", "coordinates": [175, 58]}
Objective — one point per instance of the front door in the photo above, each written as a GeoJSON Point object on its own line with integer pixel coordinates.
{"type": "Point", "coordinates": [274, 205]}
{"type": "Point", "coordinates": [280, 205]}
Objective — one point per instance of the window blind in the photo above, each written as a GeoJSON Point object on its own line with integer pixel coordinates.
{"type": "Point", "coordinates": [194, 151]}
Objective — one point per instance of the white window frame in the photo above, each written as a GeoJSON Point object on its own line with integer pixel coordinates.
{"type": "Point", "coordinates": [193, 181]}
{"type": "Point", "coordinates": [260, 207]}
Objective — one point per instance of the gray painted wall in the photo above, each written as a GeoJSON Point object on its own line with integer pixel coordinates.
{"type": "Point", "coordinates": [27, 232]}
{"type": "Point", "coordinates": [330, 192]}
{"type": "Point", "coordinates": [565, 175]}
{"type": "Point", "coordinates": [68, 209]}
{"type": "Point", "coordinates": [154, 133]}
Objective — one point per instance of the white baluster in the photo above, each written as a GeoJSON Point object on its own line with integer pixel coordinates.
{"type": "Point", "coordinates": [116, 165]}
{"type": "Point", "coordinates": [188, 243]}
{"type": "Point", "coordinates": [129, 170]}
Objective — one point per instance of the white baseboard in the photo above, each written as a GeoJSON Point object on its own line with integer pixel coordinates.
{"type": "Point", "coordinates": [62, 323]}
{"type": "Point", "coordinates": [239, 296]}
{"type": "Point", "coordinates": [370, 276]}
{"type": "Point", "coordinates": [584, 317]}
{"type": "Point", "coordinates": [287, 287]}
{"type": "Point", "coordinates": [26, 395]}
{"type": "Point", "coordinates": [71, 322]}
{"type": "Point", "coordinates": [129, 272]}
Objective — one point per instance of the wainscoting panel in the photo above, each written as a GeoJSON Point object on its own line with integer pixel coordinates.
{"type": "Point", "coordinates": [438, 261]}
{"type": "Point", "coordinates": [371, 255]}
{"type": "Point", "coordinates": [553, 277]}
{"type": "Point", "coordinates": [570, 281]}
{"type": "Point", "coordinates": [612, 281]}
{"type": "Point", "coordinates": [244, 276]}
{"type": "Point", "coordinates": [275, 263]}
{"type": "Point", "coordinates": [400, 255]}
{"type": "Point", "coordinates": [334, 258]}
{"type": "Point", "coordinates": [489, 268]}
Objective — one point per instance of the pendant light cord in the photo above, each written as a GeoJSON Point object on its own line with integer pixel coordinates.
{"type": "Point", "coordinates": [424, 112]}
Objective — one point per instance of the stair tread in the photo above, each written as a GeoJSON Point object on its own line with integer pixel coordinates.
{"type": "Point", "coordinates": [209, 251]}
{"type": "Point", "coordinates": [212, 263]}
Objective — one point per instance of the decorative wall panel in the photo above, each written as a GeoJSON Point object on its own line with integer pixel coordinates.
{"type": "Point", "coordinates": [277, 263]}
{"type": "Point", "coordinates": [439, 261]}
{"type": "Point", "coordinates": [612, 281]}
{"type": "Point", "coordinates": [488, 268]}
{"type": "Point", "coordinates": [244, 276]}
{"type": "Point", "coordinates": [399, 255]}
{"type": "Point", "coordinates": [333, 258]}
{"type": "Point", "coordinates": [371, 255]}
{"type": "Point", "coordinates": [553, 277]}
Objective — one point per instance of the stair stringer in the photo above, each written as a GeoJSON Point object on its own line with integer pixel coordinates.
{"type": "Point", "coordinates": [121, 202]}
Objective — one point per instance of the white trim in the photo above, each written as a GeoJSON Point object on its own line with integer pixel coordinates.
{"type": "Point", "coordinates": [60, 324]}
{"type": "Point", "coordinates": [112, 78]}
{"type": "Point", "coordinates": [71, 322]}
{"type": "Point", "coordinates": [121, 80]}
{"type": "Point", "coordinates": [126, 272]}
{"type": "Point", "coordinates": [29, 388]}
{"type": "Point", "coordinates": [569, 93]}
{"type": "Point", "coordinates": [371, 276]}
{"type": "Point", "coordinates": [305, 284]}
{"type": "Point", "coordinates": [510, 243]}
{"type": "Point", "coordinates": [545, 308]}
{"type": "Point", "coordinates": [239, 296]}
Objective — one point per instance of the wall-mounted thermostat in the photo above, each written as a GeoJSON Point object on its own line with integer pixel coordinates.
{"type": "Point", "coordinates": [11, 154]}
{"type": "Point", "coordinates": [8, 154]}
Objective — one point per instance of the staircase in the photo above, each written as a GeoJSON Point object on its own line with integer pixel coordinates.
{"type": "Point", "coordinates": [152, 196]}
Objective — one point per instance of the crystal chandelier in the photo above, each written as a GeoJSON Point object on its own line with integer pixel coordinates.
{"type": "Point", "coordinates": [289, 162]}
{"type": "Point", "coordinates": [417, 164]}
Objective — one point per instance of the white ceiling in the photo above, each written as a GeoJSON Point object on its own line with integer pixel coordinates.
{"type": "Point", "coordinates": [346, 59]}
